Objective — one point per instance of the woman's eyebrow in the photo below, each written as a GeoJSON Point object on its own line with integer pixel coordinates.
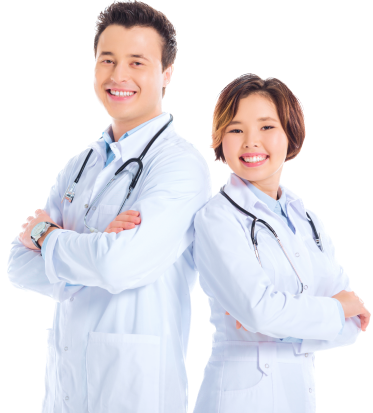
{"type": "Point", "coordinates": [234, 122]}
{"type": "Point", "coordinates": [267, 118]}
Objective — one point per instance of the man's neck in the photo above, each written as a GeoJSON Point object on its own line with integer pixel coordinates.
{"type": "Point", "coordinates": [119, 128]}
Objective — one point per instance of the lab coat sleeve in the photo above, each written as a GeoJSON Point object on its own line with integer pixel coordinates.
{"type": "Point", "coordinates": [229, 268]}
{"type": "Point", "coordinates": [338, 281]}
{"type": "Point", "coordinates": [176, 187]}
{"type": "Point", "coordinates": [44, 246]}
{"type": "Point", "coordinates": [26, 267]}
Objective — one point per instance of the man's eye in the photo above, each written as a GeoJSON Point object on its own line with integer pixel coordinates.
{"type": "Point", "coordinates": [107, 61]}
{"type": "Point", "coordinates": [111, 61]}
{"type": "Point", "coordinates": [235, 131]}
{"type": "Point", "coordinates": [267, 127]}
{"type": "Point", "coordinates": [137, 63]}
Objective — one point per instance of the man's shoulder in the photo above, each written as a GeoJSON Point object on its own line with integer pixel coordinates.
{"type": "Point", "coordinates": [176, 149]}
{"type": "Point", "coordinates": [179, 145]}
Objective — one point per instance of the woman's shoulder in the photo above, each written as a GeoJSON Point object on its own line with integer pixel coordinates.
{"type": "Point", "coordinates": [217, 211]}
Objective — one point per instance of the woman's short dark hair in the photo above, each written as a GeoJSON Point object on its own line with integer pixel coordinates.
{"type": "Point", "coordinates": [135, 13]}
{"type": "Point", "coordinates": [288, 108]}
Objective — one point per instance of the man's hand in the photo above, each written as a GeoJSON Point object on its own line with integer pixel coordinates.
{"type": "Point", "coordinates": [125, 220]}
{"type": "Point", "coordinates": [238, 324]}
{"type": "Point", "coordinates": [25, 235]}
{"type": "Point", "coordinates": [352, 306]}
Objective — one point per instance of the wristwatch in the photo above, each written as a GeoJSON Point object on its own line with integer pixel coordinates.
{"type": "Point", "coordinates": [39, 230]}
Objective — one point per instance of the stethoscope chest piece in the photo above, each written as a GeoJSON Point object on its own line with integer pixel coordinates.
{"type": "Point", "coordinates": [69, 194]}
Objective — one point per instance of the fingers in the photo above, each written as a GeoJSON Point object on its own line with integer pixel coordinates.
{"type": "Point", "coordinates": [132, 213]}
{"type": "Point", "coordinates": [29, 219]}
{"type": "Point", "coordinates": [38, 212]}
{"type": "Point", "coordinates": [24, 225]}
{"type": "Point", "coordinates": [126, 218]}
{"type": "Point", "coordinates": [365, 319]}
{"type": "Point", "coordinates": [238, 324]}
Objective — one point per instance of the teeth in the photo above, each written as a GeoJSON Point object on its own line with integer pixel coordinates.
{"type": "Point", "coordinates": [121, 93]}
{"type": "Point", "coordinates": [254, 159]}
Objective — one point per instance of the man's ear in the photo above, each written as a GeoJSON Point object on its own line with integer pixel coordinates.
{"type": "Point", "coordinates": [167, 74]}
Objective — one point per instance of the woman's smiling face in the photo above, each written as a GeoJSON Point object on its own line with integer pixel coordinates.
{"type": "Point", "coordinates": [254, 143]}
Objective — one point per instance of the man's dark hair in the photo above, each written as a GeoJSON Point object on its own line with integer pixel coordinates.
{"type": "Point", "coordinates": [135, 13]}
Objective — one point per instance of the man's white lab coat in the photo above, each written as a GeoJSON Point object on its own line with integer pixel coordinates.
{"type": "Point", "coordinates": [122, 316]}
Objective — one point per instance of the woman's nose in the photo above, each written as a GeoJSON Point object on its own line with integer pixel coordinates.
{"type": "Point", "coordinates": [251, 140]}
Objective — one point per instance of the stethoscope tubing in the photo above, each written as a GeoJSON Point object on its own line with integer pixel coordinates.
{"type": "Point", "coordinates": [69, 194]}
{"type": "Point", "coordinates": [273, 232]}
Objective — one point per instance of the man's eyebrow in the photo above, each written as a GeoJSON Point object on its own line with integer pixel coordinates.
{"type": "Point", "coordinates": [136, 56]}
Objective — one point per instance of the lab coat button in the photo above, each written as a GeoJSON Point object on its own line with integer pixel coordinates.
{"type": "Point", "coordinates": [306, 287]}
{"type": "Point", "coordinates": [66, 348]}
{"type": "Point", "coordinates": [267, 366]}
{"type": "Point", "coordinates": [306, 355]}
{"type": "Point", "coordinates": [85, 205]}
{"type": "Point", "coordinates": [71, 298]}
{"type": "Point", "coordinates": [67, 398]}
{"type": "Point", "coordinates": [310, 390]}
{"type": "Point", "coordinates": [297, 254]}
{"type": "Point", "coordinates": [94, 208]}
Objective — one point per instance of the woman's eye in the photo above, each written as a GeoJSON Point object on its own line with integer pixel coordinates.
{"type": "Point", "coordinates": [267, 127]}
{"type": "Point", "coordinates": [235, 131]}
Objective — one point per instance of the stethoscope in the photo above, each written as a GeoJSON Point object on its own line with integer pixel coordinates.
{"type": "Point", "coordinates": [254, 239]}
{"type": "Point", "coordinates": [70, 193]}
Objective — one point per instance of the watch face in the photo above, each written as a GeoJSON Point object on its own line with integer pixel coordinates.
{"type": "Point", "coordinates": [38, 228]}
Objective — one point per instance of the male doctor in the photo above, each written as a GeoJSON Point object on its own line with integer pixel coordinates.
{"type": "Point", "coordinates": [122, 293]}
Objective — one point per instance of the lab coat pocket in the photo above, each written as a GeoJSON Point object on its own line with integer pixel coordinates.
{"type": "Point", "coordinates": [50, 374]}
{"type": "Point", "coordinates": [245, 388]}
{"type": "Point", "coordinates": [123, 373]}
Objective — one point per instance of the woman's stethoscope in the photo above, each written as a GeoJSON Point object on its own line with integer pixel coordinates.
{"type": "Point", "coordinates": [70, 193]}
{"type": "Point", "coordinates": [254, 240]}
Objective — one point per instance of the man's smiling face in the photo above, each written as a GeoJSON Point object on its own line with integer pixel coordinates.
{"type": "Point", "coordinates": [128, 73]}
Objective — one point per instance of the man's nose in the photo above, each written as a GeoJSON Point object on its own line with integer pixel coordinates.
{"type": "Point", "coordinates": [120, 74]}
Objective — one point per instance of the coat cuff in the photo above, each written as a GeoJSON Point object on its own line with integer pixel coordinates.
{"type": "Point", "coordinates": [48, 256]}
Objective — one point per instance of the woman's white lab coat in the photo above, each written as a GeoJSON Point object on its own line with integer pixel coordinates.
{"type": "Point", "coordinates": [122, 315]}
{"type": "Point", "coordinates": [253, 371]}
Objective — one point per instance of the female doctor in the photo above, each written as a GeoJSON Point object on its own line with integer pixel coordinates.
{"type": "Point", "coordinates": [289, 294]}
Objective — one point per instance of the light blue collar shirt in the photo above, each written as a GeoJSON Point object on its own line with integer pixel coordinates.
{"type": "Point", "coordinates": [108, 137]}
{"type": "Point", "coordinates": [278, 207]}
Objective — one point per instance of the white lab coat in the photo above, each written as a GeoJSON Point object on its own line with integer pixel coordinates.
{"type": "Point", "coordinates": [248, 370]}
{"type": "Point", "coordinates": [123, 301]}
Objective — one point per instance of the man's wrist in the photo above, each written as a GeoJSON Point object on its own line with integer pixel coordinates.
{"type": "Point", "coordinates": [42, 238]}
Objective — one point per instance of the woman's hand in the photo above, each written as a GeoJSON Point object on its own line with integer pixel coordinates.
{"type": "Point", "coordinates": [353, 305]}
{"type": "Point", "coordinates": [238, 324]}
{"type": "Point", "coordinates": [125, 220]}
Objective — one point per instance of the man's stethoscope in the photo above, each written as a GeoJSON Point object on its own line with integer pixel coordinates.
{"type": "Point", "coordinates": [70, 193]}
{"type": "Point", "coordinates": [254, 240]}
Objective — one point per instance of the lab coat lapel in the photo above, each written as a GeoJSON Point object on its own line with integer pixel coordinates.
{"type": "Point", "coordinates": [130, 147]}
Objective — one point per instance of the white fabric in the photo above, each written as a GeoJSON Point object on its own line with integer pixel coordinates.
{"type": "Point", "coordinates": [123, 300]}
{"type": "Point", "coordinates": [267, 303]}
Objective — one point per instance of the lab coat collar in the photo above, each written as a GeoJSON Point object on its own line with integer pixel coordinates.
{"type": "Point", "coordinates": [238, 189]}
{"type": "Point", "coordinates": [134, 144]}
